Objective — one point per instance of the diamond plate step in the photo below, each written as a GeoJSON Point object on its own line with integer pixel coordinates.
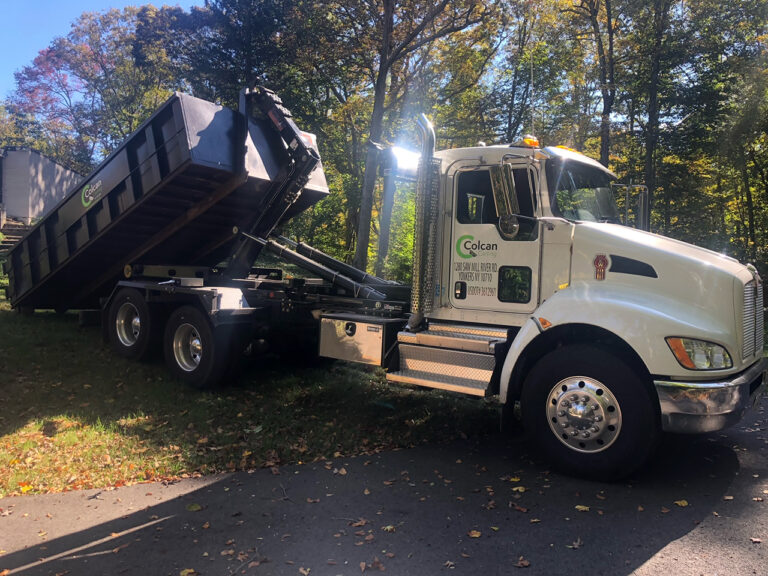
{"type": "Point", "coordinates": [449, 369]}
{"type": "Point", "coordinates": [431, 381]}
{"type": "Point", "coordinates": [478, 339]}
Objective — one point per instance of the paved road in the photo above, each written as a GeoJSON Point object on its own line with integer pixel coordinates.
{"type": "Point", "coordinates": [468, 507]}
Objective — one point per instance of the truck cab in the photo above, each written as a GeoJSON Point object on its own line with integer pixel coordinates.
{"type": "Point", "coordinates": [603, 335]}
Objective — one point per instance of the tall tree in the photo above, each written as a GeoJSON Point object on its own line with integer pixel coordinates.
{"type": "Point", "coordinates": [603, 23]}
{"type": "Point", "coordinates": [90, 89]}
{"type": "Point", "coordinates": [395, 29]}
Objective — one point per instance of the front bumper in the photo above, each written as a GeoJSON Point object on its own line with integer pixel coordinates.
{"type": "Point", "coordinates": [695, 407]}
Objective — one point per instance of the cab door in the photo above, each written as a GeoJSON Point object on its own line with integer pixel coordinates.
{"type": "Point", "coordinates": [495, 239]}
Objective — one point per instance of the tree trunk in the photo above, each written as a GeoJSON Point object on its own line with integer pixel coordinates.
{"type": "Point", "coordinates": [374, 134]}
{"type": "Point", "coordinates": [369, 178]}
{"type": "Point", "coordinates": [751, 244]}
{"type": "Point", "coordinates": [661, 8]}
{"type": "Point", "coordinates": [605, 60]}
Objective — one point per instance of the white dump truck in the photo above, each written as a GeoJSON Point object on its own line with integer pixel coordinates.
{"type": "Point", "coordinates": [526, 285]}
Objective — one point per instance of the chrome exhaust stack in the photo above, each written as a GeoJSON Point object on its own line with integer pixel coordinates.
{"type": "Point", "coordinates": [425, 228]}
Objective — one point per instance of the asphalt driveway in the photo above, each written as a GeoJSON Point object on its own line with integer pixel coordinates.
{"type": "Point", "coordinates": [468, 507]}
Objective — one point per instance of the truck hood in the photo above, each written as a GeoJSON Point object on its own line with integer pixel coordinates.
{"type": "Point", "coordinates": [704, 290]}
{"type": "Point", "coordinates": [658, 251]}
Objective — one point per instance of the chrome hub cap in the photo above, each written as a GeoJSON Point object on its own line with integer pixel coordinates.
{"type": "Point", "coordinates": [584, 414]}
{"type": "Point", "coordinates": [128, 324]}
{"type": "Point", "coordinates": [187, 347]}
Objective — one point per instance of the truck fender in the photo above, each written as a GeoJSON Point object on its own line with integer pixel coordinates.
{"type": "Point", "coordinates": [525, 336]}
{"type": "Point", "coordinates": [627, 314]}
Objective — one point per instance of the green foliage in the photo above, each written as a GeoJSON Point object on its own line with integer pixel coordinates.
{"type": "Point", "coordinates": [690, 114]}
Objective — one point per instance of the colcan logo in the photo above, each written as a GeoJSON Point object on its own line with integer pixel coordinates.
{"type": "Point", "coordinates": [468, 247]}
{"type": "Point", "coordinates": [90, 193]}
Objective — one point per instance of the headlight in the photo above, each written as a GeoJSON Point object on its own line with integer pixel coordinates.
{"type": "Point", "coordinates": [699, 355]}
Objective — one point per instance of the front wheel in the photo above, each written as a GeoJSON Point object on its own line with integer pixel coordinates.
{"type": "Point", "coordinates": [196, 352]}
{"type": "Point", "coordinates": [589, 413]}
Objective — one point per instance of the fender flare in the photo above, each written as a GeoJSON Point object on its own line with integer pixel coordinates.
{"type": "Point", "coordinates": [627, 315]}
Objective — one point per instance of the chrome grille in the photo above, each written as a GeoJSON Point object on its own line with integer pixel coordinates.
{"type": "Point", "coordinates": [752, 321]}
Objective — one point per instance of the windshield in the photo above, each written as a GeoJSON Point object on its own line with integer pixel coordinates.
{"type": "Point", "coordinates": [581, 192]}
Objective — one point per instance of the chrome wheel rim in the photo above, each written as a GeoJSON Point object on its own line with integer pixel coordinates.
{"type": "Point", "coordinates": [187, 347]}
{"type": "Point", "coordinates": [583, 413]}
{"type": "Point", "coordinates": [128, 324]}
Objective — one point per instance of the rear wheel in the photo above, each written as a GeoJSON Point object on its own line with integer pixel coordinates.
{"type": "Point", "coordinates": [130, 325]}
{"type": "Point", "coordinates": [589, 413]}
{"type": "Point", "coordinates": [195, 351]}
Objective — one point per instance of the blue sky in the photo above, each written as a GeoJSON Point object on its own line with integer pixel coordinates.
{"type": "Point", "coordinates": [26, 27]}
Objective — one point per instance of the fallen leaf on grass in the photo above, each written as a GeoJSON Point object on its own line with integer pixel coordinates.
{"type": "Point", "coordinates": [474, 533]}
{"type": "Point", "coordinates": [522, 563]}
{"type": "Point", "coordinates": [681, 503]}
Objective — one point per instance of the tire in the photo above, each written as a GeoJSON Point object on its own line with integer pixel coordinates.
{"type": "Point", "coordinates": [589, 413]}
{"type": "Point", "coordinates": [196, 353]}
{"type": "Point", "coordinates": [130, 325]}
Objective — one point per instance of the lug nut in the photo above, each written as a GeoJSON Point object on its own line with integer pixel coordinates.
{"type": "Point", "coordinates": [585, 434]}
{"type": "Point", "coordinates": [561, 413]}
{"type": "Point", "coordinates": [574, 433]}
{"type": "Point", "coordinates": [598, 418]}
{"type": "Point", "coordinates": [585, 399]}
{"type": "Point", "coordinates": [574, 398]}
{"type": "Point", "coordinates": [594, 429]}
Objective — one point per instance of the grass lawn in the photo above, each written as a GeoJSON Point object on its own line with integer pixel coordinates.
{"type": "Point", "coordinates": [73, 415]}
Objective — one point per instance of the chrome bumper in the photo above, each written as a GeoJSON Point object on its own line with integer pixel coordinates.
{"type": "Point", "coordinates": [695, 407]}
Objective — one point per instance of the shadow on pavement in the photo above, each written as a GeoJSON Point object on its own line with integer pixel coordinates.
{"type": "Point", "coordinates": [461, 508]}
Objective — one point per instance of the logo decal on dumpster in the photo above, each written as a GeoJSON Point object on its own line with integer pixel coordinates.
{"type": "Point", "coordinates": [90, 193]}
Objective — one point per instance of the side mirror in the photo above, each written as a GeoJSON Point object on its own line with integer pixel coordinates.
{"type": "Point", "coordinates": [633, 201]}
{"type": "Point", "coordinates": [642, 208]}
{"type": "Point", "coordinates": [509, 226]}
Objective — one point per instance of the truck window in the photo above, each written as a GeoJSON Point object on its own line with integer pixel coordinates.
{"type": "Point", "coordinates": [515, 284]}
{"type": "Point", "coordinates": [475, 198]}
{"type": "Point", "coordinates": [526, 199]}
{"type": "Point", "coordinates": [581, 192]}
